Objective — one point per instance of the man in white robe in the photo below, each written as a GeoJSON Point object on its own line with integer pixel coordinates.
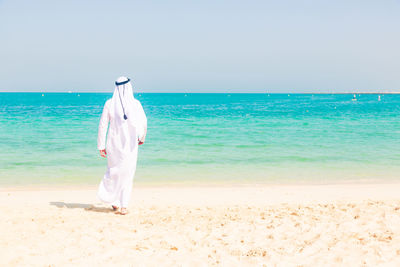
{"type": "Point", "coordinates": [124, 117]}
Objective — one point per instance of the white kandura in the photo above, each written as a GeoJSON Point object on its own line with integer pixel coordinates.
{"type": "Point", "coordinates": [121, 144]}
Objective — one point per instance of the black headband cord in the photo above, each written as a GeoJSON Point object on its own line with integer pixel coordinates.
{"type": "Point", "coordinates": [122, 83]}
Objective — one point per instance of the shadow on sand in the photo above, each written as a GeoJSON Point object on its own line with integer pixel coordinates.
{"type": "Point", "coordinates": [87, 207]}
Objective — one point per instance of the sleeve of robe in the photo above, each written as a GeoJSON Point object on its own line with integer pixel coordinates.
{"type": "Point", "coordinates": [103, 126]}
{"type": "Point", "coordinates": [143, 119]}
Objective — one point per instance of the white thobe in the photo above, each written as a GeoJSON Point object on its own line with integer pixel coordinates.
{"type": "Point", "coordinates": [122, 149]}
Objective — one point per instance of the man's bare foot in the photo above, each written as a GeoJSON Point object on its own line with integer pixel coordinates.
{"type": "Point", "coordinates": [123, 211]}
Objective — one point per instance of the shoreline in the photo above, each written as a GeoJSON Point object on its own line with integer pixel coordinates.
{"type": "Point", "coordinates": [189, 184]}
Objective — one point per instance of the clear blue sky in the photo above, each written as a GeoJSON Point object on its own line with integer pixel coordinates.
{"type": "Point", "coordinates": [200, 46]}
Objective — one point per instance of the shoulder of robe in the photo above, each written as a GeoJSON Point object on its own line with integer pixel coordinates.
{"type": "Point", "coordinates": [137, 102]}
{"type": "Point", "coordinates": [108, 103]}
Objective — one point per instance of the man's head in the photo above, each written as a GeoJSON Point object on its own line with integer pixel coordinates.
{"type": "Point", "coordinates": [122, 80]}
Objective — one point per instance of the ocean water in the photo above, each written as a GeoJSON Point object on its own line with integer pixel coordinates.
{"type": "Point", "coordinates": [211, 138]}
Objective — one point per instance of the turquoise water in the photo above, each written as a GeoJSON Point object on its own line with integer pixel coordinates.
{"type": "Point", "coordinates": [276, 138]}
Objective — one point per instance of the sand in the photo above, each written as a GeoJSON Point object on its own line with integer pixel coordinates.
{"type": "Point", "coordinates": [249, 225]}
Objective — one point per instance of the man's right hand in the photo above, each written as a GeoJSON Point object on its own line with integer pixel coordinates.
{"type": "Point", "coordinates": [103, 153]}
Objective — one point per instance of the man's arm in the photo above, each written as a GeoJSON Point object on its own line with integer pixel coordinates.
{"type": "Point", "coordinates": [103, 126]}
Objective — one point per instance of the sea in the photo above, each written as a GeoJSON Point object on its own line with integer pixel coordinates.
{"type": "Point", "coordinates": [201, 138]}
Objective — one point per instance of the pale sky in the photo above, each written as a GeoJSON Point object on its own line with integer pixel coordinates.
{"type": "Point", "coordinates": [200, 46]}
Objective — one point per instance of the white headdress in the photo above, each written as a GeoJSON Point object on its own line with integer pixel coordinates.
{"type": "Point", "coordinates": [126, 110]}
{"type": "Point", "coordinates": [123, 98]}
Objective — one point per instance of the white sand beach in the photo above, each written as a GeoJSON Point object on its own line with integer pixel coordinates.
{"type": "Point", "coordinates": [250, 225]}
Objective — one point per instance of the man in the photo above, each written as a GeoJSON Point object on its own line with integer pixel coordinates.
{"type": "Point", "coordinates": [124, 117]}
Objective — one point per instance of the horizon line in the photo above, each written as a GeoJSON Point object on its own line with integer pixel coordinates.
{"type": "Point", "coordinates": [180, 92]}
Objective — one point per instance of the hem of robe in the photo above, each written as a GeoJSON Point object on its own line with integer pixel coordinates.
{"type": "Point", "coordinates": [107, 201]}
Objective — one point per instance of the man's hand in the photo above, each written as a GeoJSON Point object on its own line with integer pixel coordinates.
{"type": "Point", "coordinates": [140, 142]}
{"type": "Point", "coordinates": [103, 153]}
